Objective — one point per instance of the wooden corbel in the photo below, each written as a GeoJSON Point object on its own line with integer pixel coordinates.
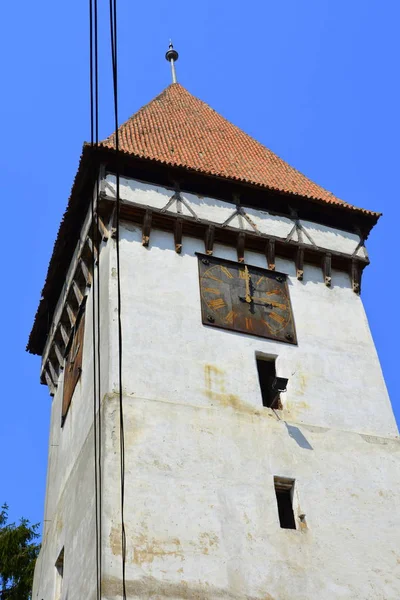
{"type": "Point", "coordinates": [146, 228]}
{"type": "Point", "coordinates": [300, 263]}
{"type": "Point", "coordinates": [270, 254]}
{"type": "Point", "coordinates": [241, 238]}
{"type": "Point", "coordinates": [327, 269]}
{"type": "Point", "coordinates": [209, 239]}
{"type": "Point", "coordinates": [178, 229]}
{"type": "Point", "coordinates": [104, 233]}
{"type": "Point", "coordinates": [355, 276]}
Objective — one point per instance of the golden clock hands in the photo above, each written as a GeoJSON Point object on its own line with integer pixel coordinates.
{"type": "Point", "coordinates": [269, 302]}
{"type": "Point", "coordinates": [248, 297]}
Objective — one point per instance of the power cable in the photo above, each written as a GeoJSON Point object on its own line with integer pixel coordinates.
{"type": "Point", "coordinates": [93, 58]}
{"type": "Point", "coordinates": [98, 242]}
{"type": "Point", "coordinates": [114, 47]}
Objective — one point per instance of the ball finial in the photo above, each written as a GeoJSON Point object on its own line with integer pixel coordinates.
{"type": "Point", "coordinates": [172, 56]}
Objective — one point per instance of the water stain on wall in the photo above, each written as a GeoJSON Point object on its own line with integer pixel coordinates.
{"type": "Point", "coordinates": [150, 587]}
{"type": "Point", "coordinates": [215, 390]}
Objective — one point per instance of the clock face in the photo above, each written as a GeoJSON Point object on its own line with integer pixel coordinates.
{"type": "Point", "coordinates": [245, 298]}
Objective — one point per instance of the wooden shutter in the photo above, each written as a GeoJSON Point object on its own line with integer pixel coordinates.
{"type": "Point", "coordinates": [73, 366]}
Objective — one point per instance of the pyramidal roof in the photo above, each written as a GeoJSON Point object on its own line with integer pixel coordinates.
{"type": "Point", "coordinates": [178, 129]}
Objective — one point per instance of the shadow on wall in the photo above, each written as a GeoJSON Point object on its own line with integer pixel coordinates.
{"type": "Point", "coordinates": [298, 437]}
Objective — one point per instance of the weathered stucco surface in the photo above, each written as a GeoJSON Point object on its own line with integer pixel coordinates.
{"type": "Point", "coordinates": [201, 450]}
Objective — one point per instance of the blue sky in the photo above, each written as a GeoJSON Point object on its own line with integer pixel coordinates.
{"type": "Point", "coordinates": [314, 80]}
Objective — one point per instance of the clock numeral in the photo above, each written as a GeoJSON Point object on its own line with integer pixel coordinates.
{"type": "Point", "coordinates": [249, 324]}
{"type": "Point", "coordinates": [243, 275]}
{"type": "Point", "coordinates": [229, 317]}
{"type": "Point", "coordinates": [277, 318]}
{"type": "Point", "coordinates": [212, 291]}
{"type": "Point", "coordinates": [227, 272]}
{"type": "Point", "coordinates": [217, 303]}
{"type": "Point", "coordinates": [279, 305]}
{"type": "Point", "coordinates": [260, 280]}
{"type": "Point", "coordinates": [212, 276]}
{"type": "Point", "coordinates": [276, 292]}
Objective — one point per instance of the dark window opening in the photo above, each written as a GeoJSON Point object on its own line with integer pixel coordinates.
{"type": "Point", "coordinates": [284, 498]}
{"type": "Point", "coordinates": [266, 375]}
{"type": "Point", "coordinates": [59, 575]}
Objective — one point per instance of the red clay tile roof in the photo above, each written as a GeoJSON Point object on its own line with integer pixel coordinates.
{"type": "Point", "coordinates": [178, 129]}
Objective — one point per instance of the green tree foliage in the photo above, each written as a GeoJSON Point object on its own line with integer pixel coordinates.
{"type": "Point", "coordinates": [18, 553]}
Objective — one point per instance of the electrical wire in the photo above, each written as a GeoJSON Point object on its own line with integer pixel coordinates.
{"type": "Point", "coordinates": [98, 241]}
{"type": "Point", "coordinates": [114, 54]}
{"type": "Point", "coordinates": [93, 59]}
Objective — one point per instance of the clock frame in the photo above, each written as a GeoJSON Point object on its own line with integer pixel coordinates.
{"type": "Point", "coordinates": [246, 299]}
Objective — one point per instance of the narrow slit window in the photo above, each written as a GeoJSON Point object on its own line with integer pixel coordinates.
{"type": "Point", "coordinates": [267, 376]}
{"type": "Point", "coordinates": [284, 489]}
{"type": "Point", "coordinates": [59, 575]}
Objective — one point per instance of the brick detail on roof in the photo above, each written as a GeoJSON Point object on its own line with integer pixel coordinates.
{"type": "Point", "coordinates": [178, 129]}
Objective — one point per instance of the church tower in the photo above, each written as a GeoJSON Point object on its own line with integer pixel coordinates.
{"type": "Point", "coordinates": [258, 446]}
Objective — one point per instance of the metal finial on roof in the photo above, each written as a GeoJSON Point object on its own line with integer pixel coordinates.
{"type": "Point", "coordinates": [172, 55]}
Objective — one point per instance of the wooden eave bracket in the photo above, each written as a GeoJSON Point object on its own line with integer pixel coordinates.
{"type": "Point", "coordinates": [209, 239]}
{"type": "Point", "coordinates": [327, 269]}
{"type": "Point", "coordinates": [104, 232]}
{"type": "Point", "coordinates": [289, 249]}
{"type": "Point", "coordinates": [355, 276]}
{"type": "Point", "coordinates": [178, 230]}
{"type": "Point", "coordinates": [146, 228]}
{"type": "Point", "coordinates": [270, 254]}
{"type": "Point", "coordinates": [300, 263]}
{"type": "Point", "coordinates": [59, 354]}
{"type": "Point", "coordinates": [49, 381]}
{"type": "Point", "coordinates": [240, 244]}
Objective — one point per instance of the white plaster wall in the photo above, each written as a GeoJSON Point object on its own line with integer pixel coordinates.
{"type": "Point", "coordinates": [334, 374]}
{"type": "Point", "coordinates": [201, 450]}
{"type": "Point", "coordinates": [219, 211]}
{"type": "Point", "coordinates": [201, 517]}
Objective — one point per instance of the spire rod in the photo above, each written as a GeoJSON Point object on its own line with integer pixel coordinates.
{"type": "Point", "coordinates": [172, 56]}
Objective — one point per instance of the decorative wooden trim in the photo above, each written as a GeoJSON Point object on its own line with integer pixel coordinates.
{"type": "Point", "coordinates": [59, 355]}
{"type": "Point", "coordinates": [178, 229]}
{"type": "Point", "coordinates": [300, 263]}
{"type": "Point", "coordinates": [133, 211]}
{"type": "Point", "coordinates": [92, 248]}
{"type": "Point", "coordinates": [64, 334]}
{"type": "Point", "coordinates": [86, 272]}
{"type": "Point", "coordinates": [146, 228]}
{"type": "Point", "coordinates": [50, 384]}
{"type": "Point", "coordinates": [240, 243]}
{"type": "Point", "coordinates": [53, 372]}
{"type": "Point", "coordinates": [209, 239]}
{"type": "Point", "coordinates": [71, 314]}
{"type": "Point", "coordinates": [77, 291]}
{"type": "Point", "coordinates": [327, 269]}
{"type": "Point", "coordinates": [270, 254]}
